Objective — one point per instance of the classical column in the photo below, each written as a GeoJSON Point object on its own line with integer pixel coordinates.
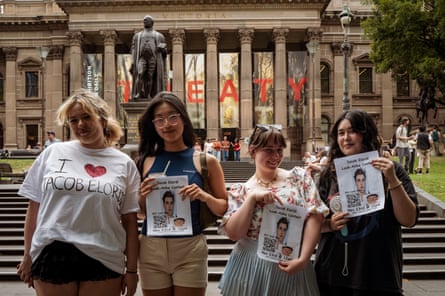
{"type": "Point", "coordinates": [110, 70]}
{"type": "Point", "coordinates": [246, 109]}
{"type": "Point", "coordinates": [339, 69]}
{"type": "Point", "coordinates": [75, 39]}
{"type": "Point", "coordinates": [211, 101]}
{"type": "Point", "coordinates": [10, 140]}
{"type": "Point", "coordinates": [280, 77]}
{"type": "Point", "coordinates": [178, 37]}
{"type": "Point", "coordinates": [314, 34]}
{"type": "Point", "coordinates": [53, 87]}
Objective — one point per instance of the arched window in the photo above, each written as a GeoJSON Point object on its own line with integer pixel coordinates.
{"type": "Point", "coordinates": [325, 78]}
{"type": "Point", "coordinates": [402, 85]}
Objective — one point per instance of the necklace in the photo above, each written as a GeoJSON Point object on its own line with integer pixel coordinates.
{"type": "Point", "coordinates": [264, 183]}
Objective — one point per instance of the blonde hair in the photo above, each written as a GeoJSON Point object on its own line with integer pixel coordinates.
{"type": "Point", "coordinates": [94, 106]}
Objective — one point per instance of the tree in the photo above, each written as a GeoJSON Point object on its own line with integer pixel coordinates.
{"type": "Point", "coordinates": [408, 37]}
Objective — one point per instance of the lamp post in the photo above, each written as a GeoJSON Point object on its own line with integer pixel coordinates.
{"type": "Point", "coordinates": [345, 19]}
{"type": "Point", "coordinates": [43, 51]}
{"type": "Point", "coordinates": [312, 47]}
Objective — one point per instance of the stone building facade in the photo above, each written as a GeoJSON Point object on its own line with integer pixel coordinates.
{"type": "Point", "coordinates": [271, 77]}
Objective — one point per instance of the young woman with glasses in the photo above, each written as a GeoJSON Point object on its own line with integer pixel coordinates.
{"type": "Point", "coordinates": [175, 265]}
{"type": "Point", "coordinates": [246, 273]}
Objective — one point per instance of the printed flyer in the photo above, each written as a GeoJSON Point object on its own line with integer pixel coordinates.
{"type": "Point", "coordinates": [167, 213]}
{"type": "Point", "coordinates": [280, 233]}
{"type": "Point", "coordinates": [360, 185]}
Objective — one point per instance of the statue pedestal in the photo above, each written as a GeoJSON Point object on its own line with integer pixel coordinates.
{"type": "Point", "coordinates": [134, 110]}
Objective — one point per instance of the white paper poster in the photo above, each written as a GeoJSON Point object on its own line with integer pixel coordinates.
{"type": "Point", "coordinates": [167, 213]}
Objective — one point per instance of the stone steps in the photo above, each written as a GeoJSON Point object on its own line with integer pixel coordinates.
{"type": "Point", "coordinates": [423, 245]}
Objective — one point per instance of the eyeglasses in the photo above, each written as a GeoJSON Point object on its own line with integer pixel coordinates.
{"type": "Point", "coordinates": [172, 119]}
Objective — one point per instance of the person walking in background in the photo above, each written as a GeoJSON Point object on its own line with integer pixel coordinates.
{"type": "Point", "coordinates": [435, 136]}
{"type": "Point", "coordinates": [363, 255]}
{"type": "Point", "coordinates": [236, 150]}
{"type": "Point", "coordinates": [412, 153]}
{"type": "Point", "coordinates": [217, 149]}
{"type": "Point", "coordinates": [51, 138]}
{"type": "Point", "coordinates": [175, 265]}
{"type": "Point", "coordinates": [81, 234]}
{"type": "Point", "coordinates": [225, 146]}
{"type": "Point", "coordinates": [208, 146]}
{"type": "Point", "coordinates": [245, 272]}
{"type": "Point", "coordinates": [424, 145]}
{"type": "Point", "coordinates": [402, 146]}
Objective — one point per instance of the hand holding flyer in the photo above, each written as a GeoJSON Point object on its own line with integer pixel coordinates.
{"type": "Point", "coordinates": [167, 213]}
{"type": "Point", "coordinates": [280, 233]}
{"type": "Point", "coordinates": [360, 185]}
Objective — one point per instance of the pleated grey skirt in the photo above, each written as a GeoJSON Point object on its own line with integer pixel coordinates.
{"type": "Point", "coordinates": [248, 275]}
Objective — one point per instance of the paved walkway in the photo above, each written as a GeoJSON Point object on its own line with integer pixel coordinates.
{"type": "Point", "coordinates": [412, 288]}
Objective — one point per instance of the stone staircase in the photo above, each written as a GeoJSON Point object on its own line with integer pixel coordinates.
{"type": "Point", "coordinates": [423, 245]}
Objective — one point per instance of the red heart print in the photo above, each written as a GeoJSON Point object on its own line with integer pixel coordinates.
{"type": "Point", "coordinates": [95, 171]}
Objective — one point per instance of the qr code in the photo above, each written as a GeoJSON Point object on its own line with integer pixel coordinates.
{"type": "Point", "coordinates": [160, 221]}
{"type": "Point", "coordinates": [269, 244]}
{"type": "Point", "coordinates": [353, 200]}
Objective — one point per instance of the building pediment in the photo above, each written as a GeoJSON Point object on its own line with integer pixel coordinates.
{"type": "Point", "coordinates": [29, 63]}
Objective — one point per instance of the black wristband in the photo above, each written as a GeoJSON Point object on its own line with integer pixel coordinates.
{"type": "Point", "coordinates": [133, 272]}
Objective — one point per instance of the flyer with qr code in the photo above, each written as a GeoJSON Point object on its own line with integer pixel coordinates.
{"type": "Point", "coordinates": [280, 232]}
{"type": "Point", "coordinates": [167, 213]}
{"type": "Point", "coordinates": [360, 184]}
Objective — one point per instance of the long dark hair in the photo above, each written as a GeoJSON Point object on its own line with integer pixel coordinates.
{"type": "Point", "coordinates": [150, 142]}
{"type": "Point", "coordinates": [362, 123]}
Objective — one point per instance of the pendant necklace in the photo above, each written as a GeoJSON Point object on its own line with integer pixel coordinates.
{"type": "Point", "coordinates": [264, 183]}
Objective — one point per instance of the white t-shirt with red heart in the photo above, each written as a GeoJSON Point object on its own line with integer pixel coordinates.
{"type": "Point", "coordinates": [82, 194]}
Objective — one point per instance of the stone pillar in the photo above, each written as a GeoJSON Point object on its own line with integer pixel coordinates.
{"type": "Point", "coordinates": [212, 101]}
{"type": "Point", "coordinates": [387, 105]}
{"type": "Point", "coordinates": [178, 37]}
{"type": "Point", "coordinates": [10, 140]}
{"type": "Point", "coordinates": [246, 109]}
{"type": "Point", "coordinates": [280, 79]}
{"type": "Point", "coordinates": [75, 39]}
{"type": "Point", "coordinates": [110, 70]}
{"type": "Point", "coordinates": [53, 91]}
{"type": "Point", "coordinates": [314, 34]}
{"type": "Point", "coordinates": [339, 69]}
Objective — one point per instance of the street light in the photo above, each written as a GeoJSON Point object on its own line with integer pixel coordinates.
{"type": "Point", "coordinates": [312, 47]}
{"type": "Point", "coordinates": [43, 51]}
{"type": "Point", "coordinates": [345, 19]}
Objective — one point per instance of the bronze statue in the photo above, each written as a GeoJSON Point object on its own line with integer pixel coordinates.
{"type": "Point", "coordinates": [426, 101]}
{"type": "Point", "coordinates": [149, 51]}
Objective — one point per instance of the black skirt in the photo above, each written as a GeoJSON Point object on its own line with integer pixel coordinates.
{"type": "Point", "coordinates": [61, 263]}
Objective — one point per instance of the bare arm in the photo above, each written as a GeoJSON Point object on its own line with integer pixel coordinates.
{"type": "Point", "coordinates": [129, 222]}
{"type": "Point", "coordinates": [24, 268]}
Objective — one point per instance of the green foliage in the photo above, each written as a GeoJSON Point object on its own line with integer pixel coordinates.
{"type": "Point", "coordinates": [407, 39]}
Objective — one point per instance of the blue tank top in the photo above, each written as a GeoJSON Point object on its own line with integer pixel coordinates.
{"type": "Point", "coordinates": [181, 163]}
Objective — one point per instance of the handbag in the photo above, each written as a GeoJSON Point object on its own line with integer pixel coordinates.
{"type": "Point", "coordinates": [206, 216]}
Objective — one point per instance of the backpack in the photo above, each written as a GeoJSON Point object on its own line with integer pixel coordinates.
{"type": "Point", "coordinates": [423, 141]}
{"type": "Point", "coordinates": [435, 135]}
{"type": "Point", "coordinates": [206, 216]}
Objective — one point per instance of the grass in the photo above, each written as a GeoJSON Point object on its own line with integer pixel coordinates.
{"type": "Point", "coordinates": [19, 165]}
{"type": "Point", "coordinates": [433, 183]}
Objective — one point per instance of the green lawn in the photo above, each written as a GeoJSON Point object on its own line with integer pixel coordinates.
{"type": "Point", "coordinates": [433, 183]}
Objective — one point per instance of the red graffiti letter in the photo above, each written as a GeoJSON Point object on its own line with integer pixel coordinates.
{"type": "Point", "coordinates": [263, 87]}
{"type": "Point", "coordinates": [229, 90]}
{"type": "Point", "coordinates": [297, 87]}
{"type": "Point", "coordinates": [195, 91]}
